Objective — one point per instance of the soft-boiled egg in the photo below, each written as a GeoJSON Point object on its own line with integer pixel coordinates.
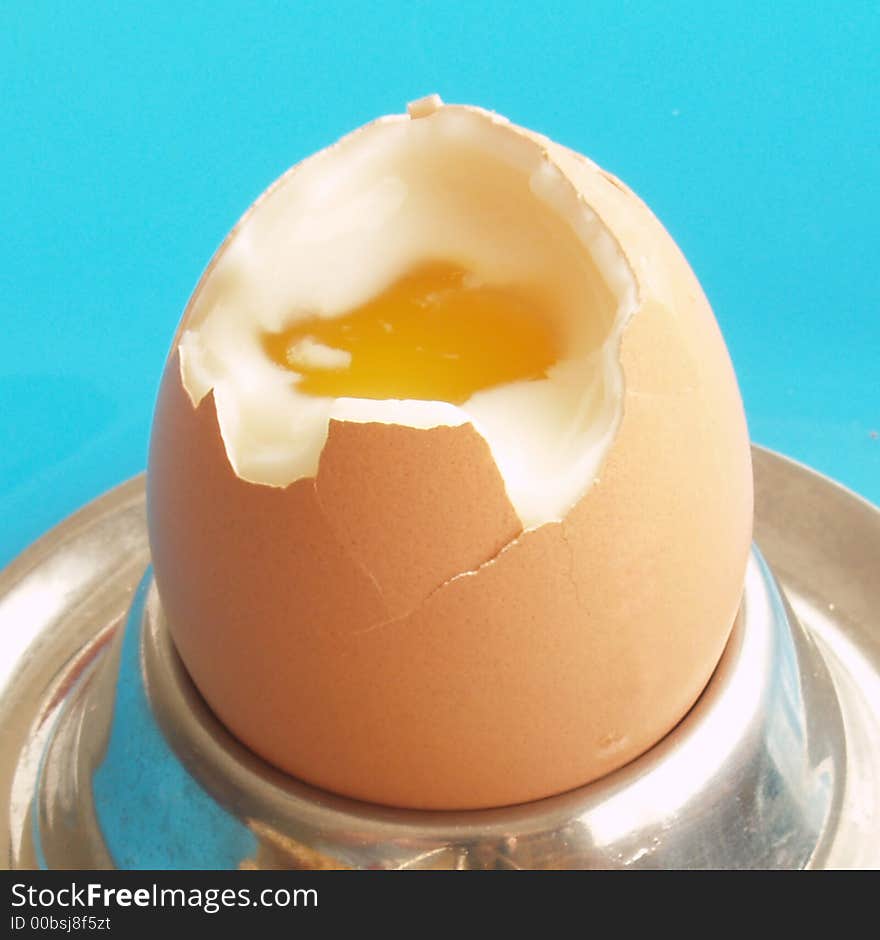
{"type": "Point", "coordinates": [449, 486]}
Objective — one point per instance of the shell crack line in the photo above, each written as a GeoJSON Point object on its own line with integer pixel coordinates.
{"type": "Point", "coordinates": [456, 577]}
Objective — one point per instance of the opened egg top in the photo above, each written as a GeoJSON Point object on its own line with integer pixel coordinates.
{"type": "Point", "coordinates": [449, 487]}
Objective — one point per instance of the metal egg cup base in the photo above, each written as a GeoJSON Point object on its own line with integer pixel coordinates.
{"type": "Point", "coordinates": [115, 761]}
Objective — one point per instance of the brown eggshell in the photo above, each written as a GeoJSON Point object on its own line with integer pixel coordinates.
{"type": "Point", "coordinates": [385, 632]}
{"type": "Point", "coordinates": [456, 516]}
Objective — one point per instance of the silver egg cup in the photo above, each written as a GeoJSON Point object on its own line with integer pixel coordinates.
{"type": "Point", "coordinates": [111, 759]}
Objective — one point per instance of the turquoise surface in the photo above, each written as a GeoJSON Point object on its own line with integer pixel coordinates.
{"type": "Point", "coordinates": [133, 135]}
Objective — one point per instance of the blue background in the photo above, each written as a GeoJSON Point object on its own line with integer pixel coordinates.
{"type": "Point", "coordinates": [133, 135]}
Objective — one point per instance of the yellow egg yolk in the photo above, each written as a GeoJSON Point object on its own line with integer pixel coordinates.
{"type": "Point", "coordinates": [437, 333]}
